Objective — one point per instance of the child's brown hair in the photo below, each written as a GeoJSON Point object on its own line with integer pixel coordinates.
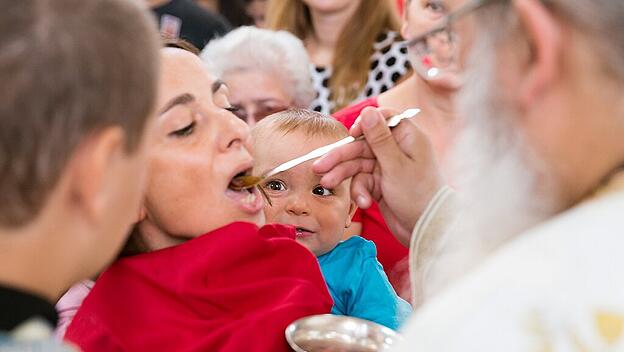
{"type": "Point", "coordinates": [70, 69]}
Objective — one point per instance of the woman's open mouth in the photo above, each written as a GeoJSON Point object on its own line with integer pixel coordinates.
{"type": "Point", "coordinates": [248, 199]}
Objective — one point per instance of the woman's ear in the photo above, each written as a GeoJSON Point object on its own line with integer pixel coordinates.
{"type": "Point", "coordinates": [404, 21]}
{"type": "Point", "coordinates": [404, 25]}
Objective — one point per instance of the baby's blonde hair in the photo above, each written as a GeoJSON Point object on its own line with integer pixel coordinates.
{"type": "Point", "coordinates": [310, 123]}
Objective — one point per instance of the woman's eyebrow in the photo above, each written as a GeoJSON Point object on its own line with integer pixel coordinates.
{"type": "Point", "coordinates": [181, 99]}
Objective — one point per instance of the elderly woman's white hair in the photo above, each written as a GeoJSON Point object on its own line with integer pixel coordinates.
{"type": "Point", "coordinates": [279, 54]}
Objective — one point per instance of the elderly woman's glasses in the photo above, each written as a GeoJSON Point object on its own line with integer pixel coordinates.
{"type": "Point", "coordinates": [436, 50]}
{"type": "Point", "coordinates": [257, 112]}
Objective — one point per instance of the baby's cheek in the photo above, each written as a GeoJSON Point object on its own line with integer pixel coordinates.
{"type": "Point", "coordinates": [269, 213]}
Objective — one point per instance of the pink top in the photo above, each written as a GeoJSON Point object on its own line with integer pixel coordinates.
{"type": "Point", "coordinates": [68, 305]}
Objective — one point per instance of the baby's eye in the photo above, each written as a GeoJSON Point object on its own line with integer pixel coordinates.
{"type": "Point", "coordinates": [275, 185]}
{"type": "Point", "coordinates": [322, 191]}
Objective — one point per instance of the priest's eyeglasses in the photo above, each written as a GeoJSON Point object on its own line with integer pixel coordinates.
{"type": "Point", "coordinates": [436, 49]}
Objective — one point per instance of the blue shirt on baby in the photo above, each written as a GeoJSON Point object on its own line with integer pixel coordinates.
{"type": "Point", "coordinates": [359, 286]}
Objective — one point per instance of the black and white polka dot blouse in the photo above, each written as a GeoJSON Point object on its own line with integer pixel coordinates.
{"type": "Point", "coordinates": [389, 63]}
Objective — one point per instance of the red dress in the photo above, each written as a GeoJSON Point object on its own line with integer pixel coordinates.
{"type": "Point", "coordinates": [234, 289]}
{"type": "Point", "coordinates": [390, 252]}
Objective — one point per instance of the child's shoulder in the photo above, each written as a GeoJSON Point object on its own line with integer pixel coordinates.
{"type": "Point", "coordinates": [356, 246]}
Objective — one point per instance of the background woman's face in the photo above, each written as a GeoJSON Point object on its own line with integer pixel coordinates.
{"type": "Point", "coordinates": [200, 146]}
{"type": "Point", "coordinates": [435, 54]}
{"type": "Point", "coordinates": [422, 15]}
{"type": "Point", "coordinates": [256, 94]}
{"type": "Point", "coordinates": [329, 6]}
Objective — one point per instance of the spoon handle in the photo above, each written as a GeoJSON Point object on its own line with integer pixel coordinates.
{"type": "Point", "coordinates": [311, 155]}
{"type": "Point", "coordinates": [316, 153]}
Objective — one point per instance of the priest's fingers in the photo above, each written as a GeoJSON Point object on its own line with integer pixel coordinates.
{"type": "Point", "coordinates": [381, 141]}
{"type": "Point", "coordinates": [351, 151]}
{"type": "Point", "coordinates": [356, 129]}
{"type": "Point", "coordinates": [347, 169]}
{"type": "Point", "coordinates": [361, 188]}
{"type": "Point", "coordinates": [414, 143]}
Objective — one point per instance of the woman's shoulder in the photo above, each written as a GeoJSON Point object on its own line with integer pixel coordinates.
{"type": "Point", "coordinates": [389, 51]}
{"type": "Point", "coordinates": [389, 63]}
{"type": "Point", "coordinates": [388, 38]}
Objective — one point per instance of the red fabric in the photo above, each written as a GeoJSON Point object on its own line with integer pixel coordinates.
{"type": "Point", "coordinates": [400, 5]}
{"type": "Point", "coordinates": [234, 289]}
{"type": "Point", "coordinates": [349, 114]}
{"type": "Point", "coordinates": [357, 217]}
{"type": "Point", "coordinates": [390, 252]}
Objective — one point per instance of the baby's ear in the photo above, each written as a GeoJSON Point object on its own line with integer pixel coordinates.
{"type": "Point", "coordinates": [352, 209]}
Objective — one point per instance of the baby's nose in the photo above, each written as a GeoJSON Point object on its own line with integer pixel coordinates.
{"type": "Point", "coordinates": [297, 206]}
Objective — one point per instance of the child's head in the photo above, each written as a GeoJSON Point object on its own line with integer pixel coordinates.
{"type": "Point", "coordinates": [80, 80]}
{"type": "Point", "coordinates": [320, 215]}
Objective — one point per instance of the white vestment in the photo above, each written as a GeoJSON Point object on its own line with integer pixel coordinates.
{"type": "Point", "coordinates": [557, 287]}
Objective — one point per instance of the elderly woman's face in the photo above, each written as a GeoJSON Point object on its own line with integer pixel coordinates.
{"type": "Point", "coordinates": [200, 146]}
{"type": "Point", "coordinates": [256, 94]}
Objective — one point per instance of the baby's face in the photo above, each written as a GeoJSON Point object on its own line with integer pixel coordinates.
{"type": "Point", "coordinates": [319, 215]}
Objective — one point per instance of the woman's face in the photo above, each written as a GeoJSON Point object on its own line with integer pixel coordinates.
{"type": "Point", "coordinates": [422, 15]}
{"type": "Point", "coordinates": [211, 5]}
{"type": "Point", "coordinates": [332, 6]}
{"type": "Point", "coordinates": [200, 146]}
{"type": "Point", "coordinates": [440, 53]}
{"type": "Point", "coordinates": [256, 9]}
{"type": "Point", "coordinates": [256, 94]}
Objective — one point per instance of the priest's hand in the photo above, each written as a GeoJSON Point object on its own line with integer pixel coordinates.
{"type": "Point", "coordinates": [395, 168]}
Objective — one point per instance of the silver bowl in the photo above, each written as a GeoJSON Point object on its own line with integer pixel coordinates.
{"type": "Point", "coordinates": [333, 333]}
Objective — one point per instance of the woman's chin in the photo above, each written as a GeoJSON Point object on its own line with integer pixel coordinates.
{"type": "Point", "coordinates": [256, 219]}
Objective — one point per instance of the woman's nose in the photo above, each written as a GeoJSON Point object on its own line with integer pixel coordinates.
{"type": "Point", "coordinates": [234, 132]}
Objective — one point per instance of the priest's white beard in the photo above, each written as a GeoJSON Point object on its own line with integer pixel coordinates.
{"type": "Point", "coordinates": [503, 187]}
